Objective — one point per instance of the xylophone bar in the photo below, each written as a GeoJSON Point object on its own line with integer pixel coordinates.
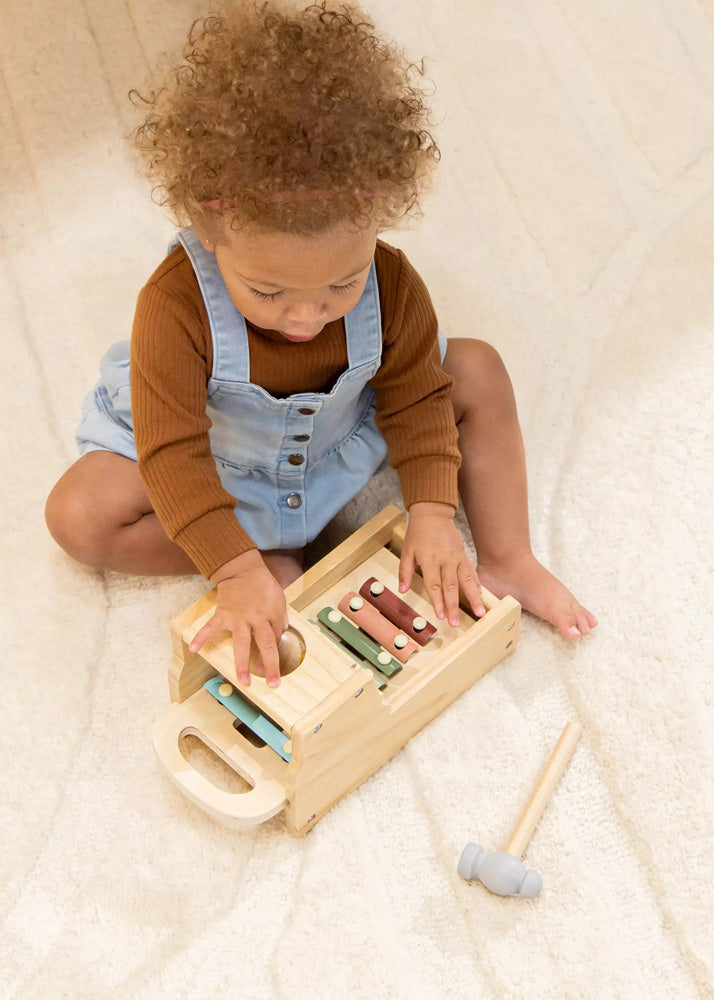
{"type": "Point", "coordinates": [380, 628]}
{"type": "Point", "coordinates": [255, 720]}
{"type": "Point", "coordinates": [397, 611]}
{"type": "Point", "coordinates": [379, 678]}
{"type": "Point", "coordinates": [357, 640]}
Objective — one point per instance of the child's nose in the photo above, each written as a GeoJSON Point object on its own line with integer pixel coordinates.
{"type": "Point", "coordinates": [307, 312]}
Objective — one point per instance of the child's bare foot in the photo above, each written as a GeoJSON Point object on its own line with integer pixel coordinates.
{"type": "Point", "coordinates": [538, 591]}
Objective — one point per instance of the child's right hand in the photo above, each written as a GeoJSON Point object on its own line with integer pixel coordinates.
{"type": "Point", "coordinates": [250, 605]}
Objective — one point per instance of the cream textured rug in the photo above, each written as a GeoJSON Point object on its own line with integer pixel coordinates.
{"type": "Point", "coordinates": [572, 226]}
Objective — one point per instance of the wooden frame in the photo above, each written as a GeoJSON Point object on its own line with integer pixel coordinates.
{"type": "Point", "coordinates": [340, 726]}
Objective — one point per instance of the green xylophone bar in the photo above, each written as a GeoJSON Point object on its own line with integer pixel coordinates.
{"type": "Point", "coordinates": [379, 679]}
{"type": "Point", "coordinates": [355, 638]}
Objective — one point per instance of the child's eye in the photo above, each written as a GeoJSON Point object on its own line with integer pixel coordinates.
{"type": "Point", "coordinates": [271, 296]}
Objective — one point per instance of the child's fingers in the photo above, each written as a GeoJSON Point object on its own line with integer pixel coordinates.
{"type": "Point", "coordinates": [471, 588]}
{"type": "Point", "coordinates": [450, 591]}
{"type": "Point", "coordinates": [241, 653]}
{"type": "Point", "coordinates": [213, 627]}
{"type": "Point", "coordinates": [268, 650]}
{"type": "Point", "coordinates": [432, 580]}
{"type": "Point", "coordinates": [407, 565]}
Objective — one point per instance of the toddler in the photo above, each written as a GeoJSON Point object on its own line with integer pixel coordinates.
{"type": "Point", "coordinates": [281, 351]}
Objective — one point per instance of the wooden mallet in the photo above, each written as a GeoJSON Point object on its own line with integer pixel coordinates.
{"type": "Point", "coordinates": [504, 873]}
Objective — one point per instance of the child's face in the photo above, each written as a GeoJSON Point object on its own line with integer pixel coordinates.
{"type": "Point", "coordinates": [295, 284]}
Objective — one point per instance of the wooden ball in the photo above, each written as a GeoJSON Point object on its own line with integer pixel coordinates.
{"type": "Point", "coordinates": [290, 651]}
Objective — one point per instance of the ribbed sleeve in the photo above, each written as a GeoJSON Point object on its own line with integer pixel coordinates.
{"type": "Point", "coordinates": [414, 411]}
{"type": "Point", "coordinates": [168, 386]}
{"type": "Point", "coordinates": [171, 359]}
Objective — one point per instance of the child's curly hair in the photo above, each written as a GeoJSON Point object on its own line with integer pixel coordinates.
{"type": "Point", "coordinates": [289, 118]}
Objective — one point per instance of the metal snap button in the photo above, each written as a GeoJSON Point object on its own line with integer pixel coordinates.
{"type": "Point", "coordinates": [296, 459]}
{"type": "Point", "coordinates": [294, 500]}
{"type": "Point", "coordinates": [306, 411]}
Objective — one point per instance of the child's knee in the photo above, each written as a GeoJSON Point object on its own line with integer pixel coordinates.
{"type": "Point", "coordinates": [61, 513]}
{"type": "Point", "coordinates": [479, 374]}
{"type": "Point", "coordinates": [477, 358]}
{"type": "Point", "coordinates": [71, 518]}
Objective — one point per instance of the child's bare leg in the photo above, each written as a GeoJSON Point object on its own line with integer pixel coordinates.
{"type": "Point", "coordinates": [285, 564]}
{"type": "Point", "coordinates": [493, 488]}
{"type": "Point", "coordinates": [100, 513]}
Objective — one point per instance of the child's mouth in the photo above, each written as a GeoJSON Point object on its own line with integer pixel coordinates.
{"type": "Point", "coordinates": [297, 338]}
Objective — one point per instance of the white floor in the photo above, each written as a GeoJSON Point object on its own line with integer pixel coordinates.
{"type": "Point", "coordinates": [572, 226]}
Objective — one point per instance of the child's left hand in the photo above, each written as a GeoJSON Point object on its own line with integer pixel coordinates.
{"type": "Point", "coordinates": [433, 542]}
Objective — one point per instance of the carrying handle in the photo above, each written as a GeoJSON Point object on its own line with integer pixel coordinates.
{"type": "Point", "coordinates": [198, 717]}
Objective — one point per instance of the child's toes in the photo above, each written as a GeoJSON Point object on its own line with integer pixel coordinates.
{"type": "Point", "coordinates": [585, 621]}
{"type": "Point", "coordinates": [570, 630]}
{"type": "Point", "coordinates": [577, 623]}
{"type": "Point", "coordinates": [582, 623]}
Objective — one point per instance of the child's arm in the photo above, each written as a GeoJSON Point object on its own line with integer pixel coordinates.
{"type": "Point", "coordinates": [171, 356]}
{"type": "Point", "coordinates": [170, 365]}
{"type": "Point", "coordinates": [434, 543]}
{"type": "Point", "coordinates": [416, 417]}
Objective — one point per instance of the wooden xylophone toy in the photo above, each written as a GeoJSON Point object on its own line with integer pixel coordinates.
{"type": "Point", "coordinates": [362, 671]}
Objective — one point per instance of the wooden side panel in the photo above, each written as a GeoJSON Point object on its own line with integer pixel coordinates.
{"type": "Point", "coordinates": [189, 671]}
{"type": "Point", "coordinates": [358, 737]}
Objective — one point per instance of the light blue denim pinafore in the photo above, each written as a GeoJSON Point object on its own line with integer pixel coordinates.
{"type": "Point", "coordinates": [290, 463]}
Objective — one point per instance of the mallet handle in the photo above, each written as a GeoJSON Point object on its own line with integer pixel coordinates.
{"type": "Point", "coordinates": [552, 773]}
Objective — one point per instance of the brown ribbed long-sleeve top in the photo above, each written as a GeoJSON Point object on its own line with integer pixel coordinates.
{"type": "Point", "coordinates": [172, 360]}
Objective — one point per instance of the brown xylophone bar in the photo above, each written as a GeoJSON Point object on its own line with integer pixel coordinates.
{"type": "Point", "coordinates": [397, 611]}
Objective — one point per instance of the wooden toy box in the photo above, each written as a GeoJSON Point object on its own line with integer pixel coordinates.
{"type": "Point", "coordinates": [338, 725]}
